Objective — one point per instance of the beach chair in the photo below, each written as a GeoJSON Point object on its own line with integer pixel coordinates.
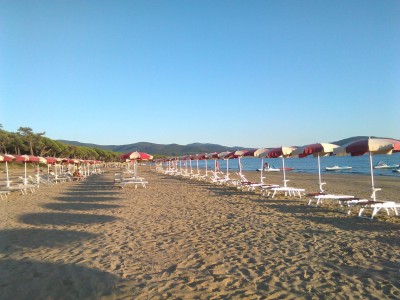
{"type": "Point", "coordinates": [135, 181]}
{"type": "Point", "coordinates": [371, 206]}
{"type": "Point", "coordinates": [23, 188]}
{"type": "Point", "coordinates": [117, 177]}
{"type": "Point", "coordinates": [215, 178]}
{"type": "Point", "coordinates": [287, 191]}
{"type": "Point", "coordinates": [318, 198]}
{"type": "Point", "coordinates": [4, 194]}
{"type": "Point", "coordinates": [245, 184]}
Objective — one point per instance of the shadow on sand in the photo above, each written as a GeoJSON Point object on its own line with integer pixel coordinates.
{"type": "Point", "coordinates": [26, 279]}
{"type": "Point", "coordinates": [13, 240]}
{"type": "Point", "coordinates": [78, 206]}
{"type": "Point", "coordinates": [63, 219]}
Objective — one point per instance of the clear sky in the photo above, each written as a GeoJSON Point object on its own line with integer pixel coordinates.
{"type": "Point", "coordinates": [236, 73]}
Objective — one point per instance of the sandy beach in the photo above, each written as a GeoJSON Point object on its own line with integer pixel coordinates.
{"type": "Point", "coordinates": [185, 239]}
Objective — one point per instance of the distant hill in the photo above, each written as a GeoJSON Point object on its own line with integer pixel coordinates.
{"type": "Point", "coordinates": [175, 149]}
{"type": "Point", "coordinates": [160, 149]}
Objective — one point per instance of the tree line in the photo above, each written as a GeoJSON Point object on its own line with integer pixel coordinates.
{"type": "Point", "coordinates": [25, 141]}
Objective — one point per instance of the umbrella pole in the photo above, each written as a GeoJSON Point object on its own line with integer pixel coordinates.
{"type": "Point", "coordinates": [197, 165]}
{"type": "Point", "coordinates": [8, 179]}
{"type": "Point", "coordinates": [25, 180]}
{"type": "Point", "coordinates": [135, 168]}
{"type": "Point", "coordinates": [284, 173]}
{"type": "Point", "coordinates": [227, 168]}
{"type": "Point", "coordinates": [319, 175]}
{"type": "Point", "coordinates": [206, 167]}
{"type": "Point", "coordinates": [374, 190]}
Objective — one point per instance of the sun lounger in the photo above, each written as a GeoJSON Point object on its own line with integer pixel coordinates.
{"type": "Point", "coordinates": [251, 186]}
{"type": "Point", "coordinates": [4, 194]}
{"type": "Point", "coordinates": [136, 181]}
{"type": "Point", "coordinates": [288, 191]}
{"type": "Point", "coordinates": [319, 197]}
{"type": "Point", "coordinates": [23, 188]}
{"type": "Point", "coordinates": [373, 206]}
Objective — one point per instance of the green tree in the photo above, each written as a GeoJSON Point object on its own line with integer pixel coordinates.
{"type": "Point", "coordinates": [30, 138]}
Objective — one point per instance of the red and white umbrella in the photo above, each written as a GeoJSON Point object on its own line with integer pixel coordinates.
{"type": "Point", "coordinates": [204, 157]}
{"type": "Point", "coordinates": [282, 152]}
{"type": "Point", "coordinates": [261, 153]}
{"type": "Point", "coordinates": [239, 154]}
{"type": "Point", "coordinates": [213, 155]}
{"type": "Point", "coordinates": [26, 159]}
{"type": "Point", "coordinates": [372, 146]}
{"type": "Point", "coordinates": [317, 150]}
{"type": "Point", "coordinates": [7, 158]}
{"type": "Point", "coordinates": [227, 155]}
{"type": "Point", "coordinates": [136, 156]}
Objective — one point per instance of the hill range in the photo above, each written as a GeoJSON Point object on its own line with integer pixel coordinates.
{"type": "Point", "coordinates": [176, 149]}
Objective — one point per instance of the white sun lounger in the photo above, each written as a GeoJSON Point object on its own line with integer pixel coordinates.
{"type": "Point", "coordinates": [288, 191]}
{"type": "Point", "coordinates": [320, 197]}
{"type": "Point", "coordinates": [4, 194]}
{"type": "Point", "coordinates": [373, 206]}
{"type": "Point", "coordinates": [136, 181]}
{"type": "Point", "coordinates": [23, 188]}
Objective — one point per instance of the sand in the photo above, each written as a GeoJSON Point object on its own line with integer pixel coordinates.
{"type": "Point", "coordinates": [184, 239]}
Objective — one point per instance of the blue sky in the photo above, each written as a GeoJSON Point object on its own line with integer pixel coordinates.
{"type": "Point", "coordinates": [236, 73]}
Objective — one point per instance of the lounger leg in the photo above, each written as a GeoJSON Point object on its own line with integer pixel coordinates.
{"type": "Point", "coordinates": [360, 213]}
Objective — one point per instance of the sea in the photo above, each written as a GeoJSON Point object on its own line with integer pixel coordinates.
{"type": "Point", "coordinates": [309, 164]}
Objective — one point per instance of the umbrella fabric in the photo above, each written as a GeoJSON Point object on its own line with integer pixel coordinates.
{"type": "Point", "coordinates": [281, 152]}
{"type": "Point", "coordinates": [317, 150]}
{"type": "Point", "coordinates": [26, 158]}
{"type": "Point", "coordinates": [137, 155]}
{"type": "Point", "coordinates": [51, 160]}
{"type": "Point", "coordinates": [6, 157]}
{"type": "Point", "coordinates": [372, 146]}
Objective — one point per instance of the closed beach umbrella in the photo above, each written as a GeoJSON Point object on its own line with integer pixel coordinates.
{"type": "Point", "coordinates": [7, 158]}
{"type": "Point", "coordinates": [372, 146]}
{"type": "Point", "coordinates": [281, 152]}
{"type": "Point", "coordinates": [317, 150]}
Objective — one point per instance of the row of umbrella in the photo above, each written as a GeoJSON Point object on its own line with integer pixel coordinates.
{"type": "Point", "coordinates": [6, 158]}
{"type": "Point", "coordinates": [371, 146]}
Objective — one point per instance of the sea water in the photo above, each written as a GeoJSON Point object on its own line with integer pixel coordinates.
{"type": "Point", "coordinates": [309, 164]}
